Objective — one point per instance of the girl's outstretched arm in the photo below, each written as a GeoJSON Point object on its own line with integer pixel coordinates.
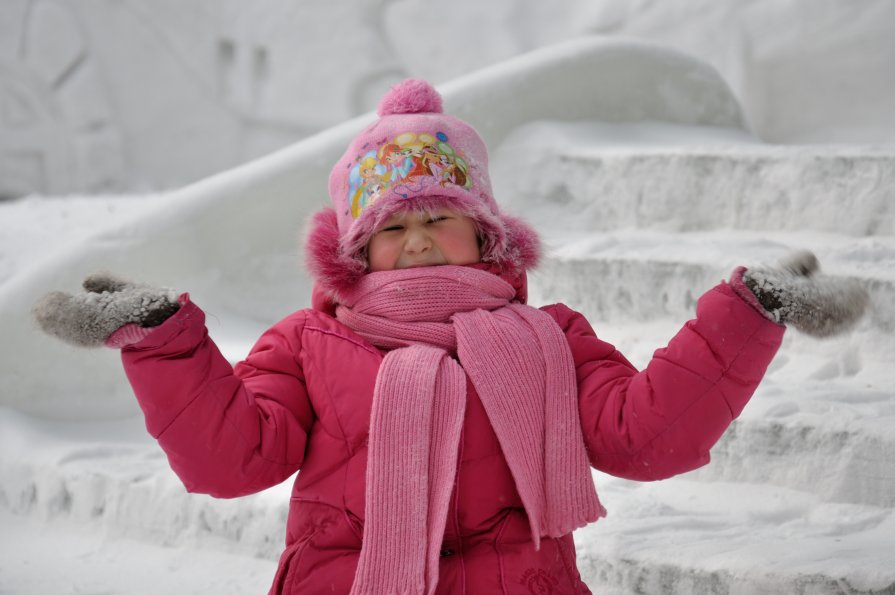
{"type": "Point", "coordinates": [227, 431]}
{"type": "Point", "coordinates": [662, 421]}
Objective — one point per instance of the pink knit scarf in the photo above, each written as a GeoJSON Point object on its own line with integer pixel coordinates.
{"type": "Point", "coordinates": [521, 366]}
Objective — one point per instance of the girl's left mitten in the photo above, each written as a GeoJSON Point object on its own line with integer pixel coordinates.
{"type": "Point", "coordinates": [111, 311]}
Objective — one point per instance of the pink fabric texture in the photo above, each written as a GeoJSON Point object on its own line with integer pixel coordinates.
{"type": "Point", "coordinates": [411, 97]}
{"type": "Point", "coordinates": [302, 399]}
{"type": "Point", "coordinates": [521, 364]}
{"type": "Point", "coordinates": [127, 335]}
{"type": "Point", "coordinates": [418, 407]}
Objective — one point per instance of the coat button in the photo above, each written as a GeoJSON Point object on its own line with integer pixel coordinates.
{"type": "Point", "coordinates": [447, 552]}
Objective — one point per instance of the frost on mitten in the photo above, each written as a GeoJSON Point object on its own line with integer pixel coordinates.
{"type": "Point", "coordinates": [109, 303]}
{"type": "Point", "coordinates": [795, 294]}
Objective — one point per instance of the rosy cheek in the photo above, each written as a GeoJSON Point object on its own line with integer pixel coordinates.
{"type": "Point", "coordinates": [382, 255]}
{"type": "Point", "coordinates": [460, 249]}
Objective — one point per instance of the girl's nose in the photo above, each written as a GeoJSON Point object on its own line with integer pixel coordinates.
{"type": "Point", "coordinates": [417, 241]}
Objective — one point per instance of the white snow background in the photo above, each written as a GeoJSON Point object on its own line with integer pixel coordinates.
{"type": "Point", "coordinates": [638, 165]}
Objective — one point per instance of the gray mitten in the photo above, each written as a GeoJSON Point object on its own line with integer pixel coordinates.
{"type": "Point", "coordinates": [88, 319]}
{"type": "Point", "coordinates": [794, 294]}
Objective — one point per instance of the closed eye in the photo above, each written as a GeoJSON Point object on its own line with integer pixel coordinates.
{"type": "Point", "coordinates": [438, 218]}
{"type": "Point", "coordinates": [392, 228]}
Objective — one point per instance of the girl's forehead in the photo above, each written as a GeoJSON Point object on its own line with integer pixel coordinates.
{"type": "Point", "coordinates": [418, 215]}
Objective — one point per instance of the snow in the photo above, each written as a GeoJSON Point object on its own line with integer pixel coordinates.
{"type": "Point", "coordinates": [96, 564]}
{"type": "Point", "coordinates": [727, 178]}
{"type": "Point", "coordinates": [648, 191]}
{"type": "Point", "coordinates": [108, 96]}
{"type": "Point", "coordinates": [35, 227]}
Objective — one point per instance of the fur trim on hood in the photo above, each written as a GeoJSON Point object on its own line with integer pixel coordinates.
{"type": "Point", "coordinates": [508, 243]}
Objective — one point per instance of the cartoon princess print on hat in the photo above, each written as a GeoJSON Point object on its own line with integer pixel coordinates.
{"type": "Point", "coordinates": [367, 179]}
{"type": "Point", "coordinates": [407, 164]}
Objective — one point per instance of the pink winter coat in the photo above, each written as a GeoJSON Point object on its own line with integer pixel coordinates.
{"type": "Point", "coordinates": [302, 399]}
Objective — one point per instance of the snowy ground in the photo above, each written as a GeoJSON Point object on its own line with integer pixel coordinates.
{"type": "Point", "coordinates": [65, 558]}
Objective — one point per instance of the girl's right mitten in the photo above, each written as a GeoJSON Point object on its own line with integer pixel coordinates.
{"type": "Point", "coordinates": [795, 294]}
{"type": "Point", "coordinates": [109, 304]}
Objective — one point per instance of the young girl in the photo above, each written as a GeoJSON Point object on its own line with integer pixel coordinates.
{"type": "Point", "coordinates": [444, 430]}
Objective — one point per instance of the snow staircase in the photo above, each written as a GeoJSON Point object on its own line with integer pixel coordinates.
{"type": "Point", "coordinates": [800, 493]}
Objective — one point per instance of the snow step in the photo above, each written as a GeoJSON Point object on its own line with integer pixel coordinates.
{"type": "Point", "coordinates": [683, 537]}
{"type": "Point", "coordinates": [675, 536]}
{"type": "Point", "coordinates": [643, 274]}
{"type": "Point", "coordinates": [112, 475]}
{"type": "Point", "coordinates": [847, 466]}
{"type": "Point", "coordinates": [86, 560]}
{"type": "Point", "coordinates": [848, 190]}
{"type": "Point", "coordinates": [659, 537]}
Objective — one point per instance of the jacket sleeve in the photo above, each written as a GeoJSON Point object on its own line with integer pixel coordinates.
{"type": "Point", "coordinates": [662, 421]}
{"type": "Point", "coordinates": [226, 431]}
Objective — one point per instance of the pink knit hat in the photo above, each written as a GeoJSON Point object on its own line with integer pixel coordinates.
{"type": "Point", "coordinates": [413, 157]}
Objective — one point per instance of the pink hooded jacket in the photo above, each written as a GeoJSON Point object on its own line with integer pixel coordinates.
{"type": "Point", "coordinates": [302, 400]}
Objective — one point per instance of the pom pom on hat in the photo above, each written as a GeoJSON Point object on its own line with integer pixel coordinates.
{"type": "Point", "coordinates": [411, 96]}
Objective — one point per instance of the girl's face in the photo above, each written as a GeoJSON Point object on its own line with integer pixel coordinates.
{"type": "Point", "coordinates": [413, 239]}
